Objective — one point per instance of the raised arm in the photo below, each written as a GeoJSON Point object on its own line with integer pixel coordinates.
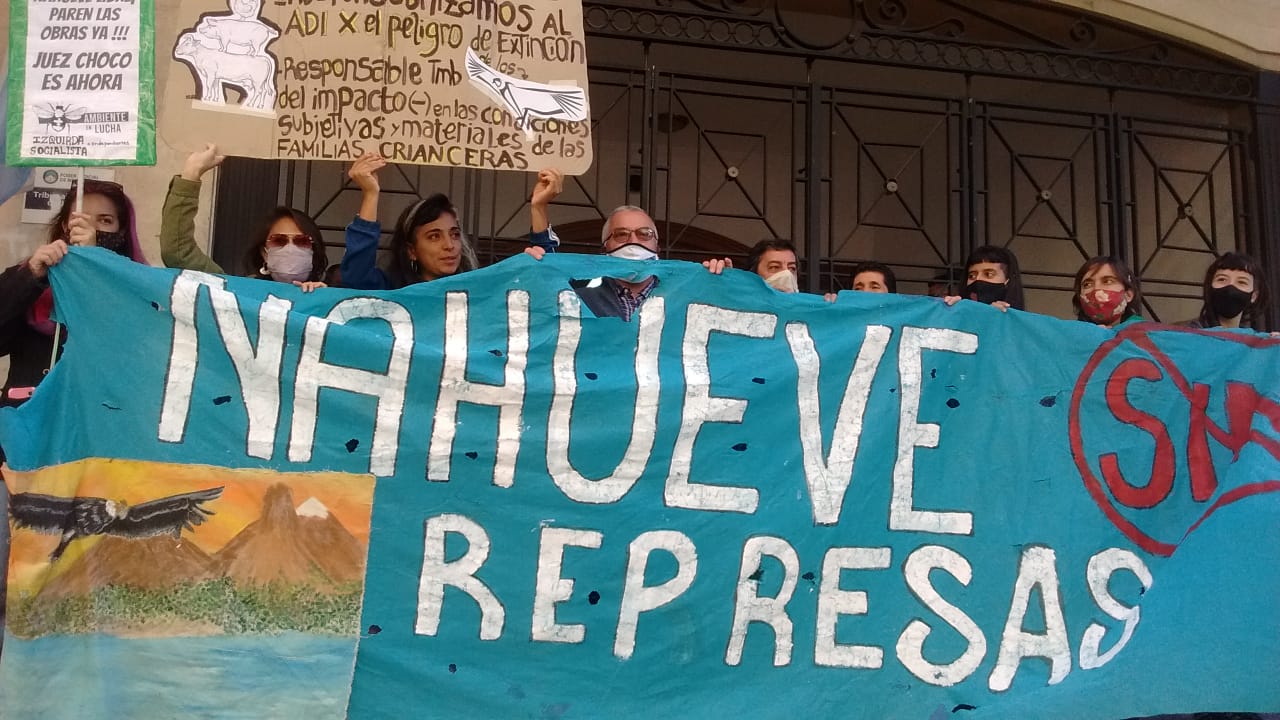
{"type": "Point", "coordinates": [360, 259]}
{"type": "Point", "coordinates": [178, 218]}
{"type": "Point", "coordinates": [542, 239]}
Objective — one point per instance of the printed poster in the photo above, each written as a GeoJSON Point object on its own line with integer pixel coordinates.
{"type": "Point", "coordinates": [82, 74]}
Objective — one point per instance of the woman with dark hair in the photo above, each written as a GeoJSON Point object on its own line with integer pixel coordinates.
{"type": "Point", "coordinates": [994, 279]}
{"type": "Point", "coordinates": [288, 247]}
{"type": "Point", "coordinates": [1106, 292]}
{"type": "Point", "coordinates": [1233, 287]}
{"type": "Point", "coordinates": [427, 242]}
{"type": "Point", "coordinates": [26, 331]}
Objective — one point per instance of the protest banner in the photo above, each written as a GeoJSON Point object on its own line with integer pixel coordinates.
{"type": "Point", "coordinates": [738, 504]}
{"type": "Point", "coordinates": [81, 78]}
{"type": "Point", "coordinates": [476, 84]}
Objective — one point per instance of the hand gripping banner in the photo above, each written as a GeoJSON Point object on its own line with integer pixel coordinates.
{"type": "Point", "coordinates": [739, 503]}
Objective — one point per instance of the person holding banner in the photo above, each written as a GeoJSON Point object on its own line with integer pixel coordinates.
{"type": "Point", "coordinates": [629, 233]}
{"type": "Point", "coordinates": [290, 248]}
{"type": "Point", "coordinates": [1233, 286]}
{"type": "Point", "coordinates": [27, 333]}
{"type": "Point", "coordinates": [26, 330]}
{"type": "Point", "coordinates": [1107, 293]}
{"type": "Point", "coordinates": [994, 279]}
{"type": "Point", "coordinates": [775, 261]}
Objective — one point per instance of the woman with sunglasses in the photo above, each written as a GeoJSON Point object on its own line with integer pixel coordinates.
{"type": "Point", "coordinates": [26, 331]}
{"type": "Point", "coordinates": [289, 247]}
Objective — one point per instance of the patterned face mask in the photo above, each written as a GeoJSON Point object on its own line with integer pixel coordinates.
{"type": "Point", "coordinates": [1103, 307]}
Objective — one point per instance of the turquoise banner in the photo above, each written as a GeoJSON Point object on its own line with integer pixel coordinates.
{"type": "Point", "coordinates": [228, 494]}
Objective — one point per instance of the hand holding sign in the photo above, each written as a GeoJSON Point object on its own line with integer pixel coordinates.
{"type": "Point", "coordinates": [550, 183]}
{"type": "Point", "coordinates": [364, 173]}
{"type": "Point", "coordinates": [201, 161]}
{"type": "Point", "coordinates": [81, 230]}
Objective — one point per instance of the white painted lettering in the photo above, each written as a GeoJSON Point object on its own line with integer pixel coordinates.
{"type": "Point", "coordinates": [749, 606]}
{"type": "Point", "coordinates": [903, 514]}
{"type": "Point", "coordinates": [461, 573]}
{"type": "Point", "coordinates": [701, 407]}
{"type": "Point", "coordinates": [552, 589]}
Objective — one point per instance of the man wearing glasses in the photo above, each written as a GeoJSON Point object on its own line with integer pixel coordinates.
{"type": "Point", "coordinates": [628, 233]}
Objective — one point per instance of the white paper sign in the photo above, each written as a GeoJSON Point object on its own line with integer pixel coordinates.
{"type": "Point", "coordinates": [81, 74]}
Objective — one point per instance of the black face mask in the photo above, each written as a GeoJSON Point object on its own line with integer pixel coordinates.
{"type": "Point", "coordinates": [1229, 301]}
{"type": "Point", "coordinates": [117, 242]}
{"type": "Point", "coordinates": [986, 292]}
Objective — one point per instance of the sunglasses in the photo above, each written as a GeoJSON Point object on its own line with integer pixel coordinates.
{"type": "Point", "coordinates": [279, 240]}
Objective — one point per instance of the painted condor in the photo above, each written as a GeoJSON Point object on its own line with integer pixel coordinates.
{"type": "Point", "coordinates": [76, 517]}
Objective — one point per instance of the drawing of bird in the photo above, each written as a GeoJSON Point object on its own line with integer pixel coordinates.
{"type": "Point", "coordinates": [76, 517]}
{"type": "Point", "coordinates": [525, 98]}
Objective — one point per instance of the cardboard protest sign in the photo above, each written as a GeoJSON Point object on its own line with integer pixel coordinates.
{"type": "Point", "coordinates": [490, 85]}
{"type": "Point", "coordinates": [81, 83]}
{"type": "Point", "coordinates": [737, 504]}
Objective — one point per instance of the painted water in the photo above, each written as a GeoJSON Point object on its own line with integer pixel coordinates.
{"type": "Point", "coordinates": [230, 677]}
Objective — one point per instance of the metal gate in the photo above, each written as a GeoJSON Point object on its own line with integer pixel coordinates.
{"type": "Point", "coordinates": [904, 132]}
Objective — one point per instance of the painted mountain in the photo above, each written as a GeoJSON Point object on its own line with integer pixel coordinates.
{"type": "Point", "coordinates": [282, 546]}
{"type": "Point", "coordinates": [150, 563]}
{"type": "Point", "coordinates": [257, 566]}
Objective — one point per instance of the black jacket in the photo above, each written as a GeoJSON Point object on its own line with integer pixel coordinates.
{"type": "Point", "coordinates": [28, 349]}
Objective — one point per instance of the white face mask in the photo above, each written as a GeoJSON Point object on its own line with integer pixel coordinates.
{"type": "Point", "coordinates": [783, 281]}
{"type": "Point", "coordinates": [634, 251]}
{"type": "Point", "coordinates": [289, 263]}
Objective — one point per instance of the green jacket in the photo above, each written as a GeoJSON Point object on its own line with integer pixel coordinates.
{"type": "Point", "coordinates": [178, 229]}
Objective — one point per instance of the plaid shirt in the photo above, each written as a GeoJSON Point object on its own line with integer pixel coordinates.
{"type": "Point", "coordinates": [631, 303]}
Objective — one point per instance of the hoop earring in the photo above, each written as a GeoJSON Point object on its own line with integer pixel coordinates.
{"type": "Point", "coordinates": [413, 265]}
